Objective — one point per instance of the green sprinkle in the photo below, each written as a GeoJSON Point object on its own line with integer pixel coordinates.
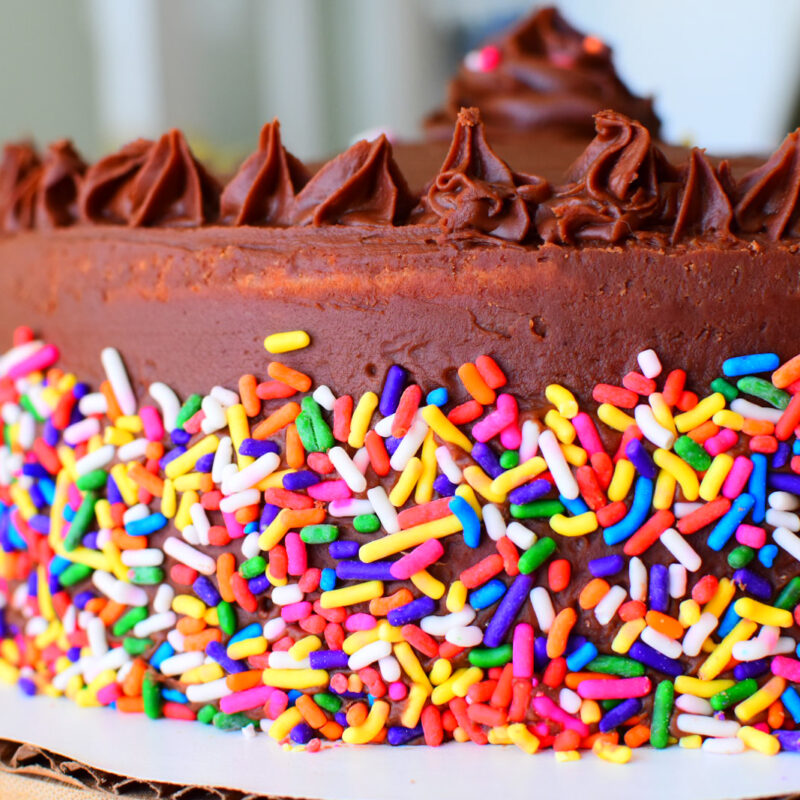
{"type": "Point", "coordinates": [227, 617]}
{"type": "Point", "coordinates": [662, 710]}
{"type": "Point", "coordinates": [693, 454]}
{"type": "Point", "coordinates": [135, 647]}
{"type": "Point", "coordinates": [728, 391]}
{"type": "Point", "coordinates": [149, 576]}
{"type": "Point", "coordinates": [738, 692]}
{"type": "Point", "coordinates": [206, 714]}
{"type": "Point", "coordinates": [92, 481]}
{"type": "Point", "coordinates": [230, 722]}
{"type": "Point", "coordinates": [188, 409]}
{"type": "Point", "coordinates": [366, 523]}
{"type": "Point", "coordinates": [319, 534]}
{"type": "Point", "coordinates": [128, 620]}
{"type": "Point", "coordinates": [790, 594]}
{"type": "Point", "coordinates": [26, 403]}
{"type": "Point", "coordinates": [537, 508]}
{"type": "Point", "coordinates": [616, 665]}
{"type": "Point", "coordinates": [81, 521]}
{"type": "Point", "coordinates": [322, 432]}
{"type": "Point", "coordinates": [607, 705]}
{"type": "Point", "coordinates": [305, 431]}
{"type": "Point", "coordinates": [509, 459]}
{"type": "Point", "coordinates": [74, 573]}
{"type": "Point", "coordinates": [151, 695]}
{"type": "Point", "coordinates": [764, 390]}
{"type": "Point", "coordinates": [488, 657]}
{"type": "Point", "coordinates": [330, 702]}
{"type": "Point", "coordinates": [253, 567]}
{"type": "Point", "coordinates": [535, 556]}
{"type": "Point", "coordinates": [741, 556]}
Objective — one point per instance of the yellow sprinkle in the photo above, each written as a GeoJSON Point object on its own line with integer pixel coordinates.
{"type": "Point", "coordinates": [131, 423]}
{"type": "Point", "coordinates": [294, 678]}
{"type": "Point", "coordinates": [680, 470]}
{"type": "Point", "coordinates": [518, 475]}
{"type": "Point", "coordinates": [183, 517]}
{"type": "Point", "coordinates": [711, 485]}
{"type": "Point", "coordinates": [286, 342]}
{"type": "Point", "coordinates": [283, 725]}
{"type": "Point", "coordinates": [351, 595]}
{"type": "Point", "coordinates": [701, 413]}
{"type": "Point", "coordinates": [111, 552]}
{"type": "Point", "coordinates": [388, 632]}
{"type": "Point", "coordinates": [273, 580]}
{"type": "Point", "coordinates": [66, 455]}
{"type": "Point", "coordinates": [191, 482]}
{"type": "Point", "coordinates": [468, 677]}
{"type": "Point", "coordinates": [102, 513]}
{"type": "Point", "coordinates": [574, 455]}
{"type": "Point", "coordinates": [401, 491]}
{"type": "Point", "coordinates": [275, 531]}
{"type": "Point", "coordinates": [211, 617]}
{"type": "Point", "coordinates": [590, 712]}
{"type": "Point", "coordinates": [189, 606]}
{"type": "Point", "coordinates": [86, 699]}
{"type": "Point", "coordinates": [567, 756]}
{"type": "Point", "coordinates": [561, 426]}
{"type": "Point", "coordinates": [302, 648]}
{"type": "Point", "coordinates": [49, 635]}
{"type": "Point", "coordinates": [45, 598]}
{"type": "Point", "coordinates": [685, 684]}
{"type": "Point", "coordinates": [456, 597]}
{"type": "Point", "coordinates": [689, 613]}
{"type": "Point", "coordinates": [482, 484]}
{"type": "Point", "coordinates": [116, 436]}
{"type": "Point", "coordinates": [205, 673]}
{"type": "Point", "coordinates": [428, 585]}
{"type": "Point", "coordinates": [499, 735]}
{"type": "Point", "coordinates": [405, 540]}
{"type": "Point", "coordinates": [468, 493]}
{"type": "Point", "coordinates": [621, 481]}
{"type": "Point", "coordinates": [245, 648]}
{"type": "Point", "coordinates": [661, 411]}
{"type": "Point", "coordinates": [758, 740]}
{"type": "Point", "coordinates": [523, 738]}
{"type": "Point", "coordinates": [445, 429]}
{"type": "Point", "coordinates": [664, 492]}
{"type": "Point", "coordinates": [95, 443]}
{"type": "Point", "coordinates": [9, 650]}
{"type": "Point", "coordinates": [562, 399]}
{"type": "Point", "coordinates": [614, 418]}
{"type": "Point", "coordinates": [728, 419]}
{"type": "Point", "coordinates": [186, 461]}
{"type": "Point", "coordinates": [239, 429]}
{"type": "Point", "coordinates": [355, 641]}
{"type": "Point", "coordinates": [274, 480]}
{"type": "Point", "coordinates": [579, 525]}
{"type": "Point", "coordinates": [169, 499]}
{"type": "Point", "coordinates": [761, 700]}
{"type": "Point", "coordinates": [23, 501]}
{"type": "Point", "coordinates": [693, 742]}
{"type": "Point", "coordinates": [408, 660]}
{"type": "Point", "coordinates": [721, 655]}
{"type": "Point", "coordinates": [362, 414]}
{"type": "Point", "coordinates": [444, 692]}
{"type": "Point", "coordinates": [762, 613]}
{"type": "Point", "coordinates": [424, 490]}
{"type": "Point", "coordinates": [721, 599]}
{"type": "Point", "coordinates": [613, 753]}
{"type": "Point", "coordinates": [460, 735]}
{"type": "Point", "coordinates": [417, 695]}
{"type": "Point", "coordinates": [441, 671]}
{"type": "Point", "coordinates": [127, 488]}
{"type": "Point", "coordinates": [371, 727]}
{"type": "Point", "coordinates": [627, 635]}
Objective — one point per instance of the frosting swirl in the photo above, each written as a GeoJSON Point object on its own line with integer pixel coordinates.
{"type": "Point", "coordinates": [363, 185]}
{"type": "Point", "coordinates": [59, 184]}
{"type": "Point", "coordinates": [476, 190]}
{"type": "Point", "coordinates": [704, 207]}
{"type": "Point", "coordinates": [541, 73]}
{"type": "Point", "coordinates": [263, 190]}
{"type": "Point", "coordinates": [150, 183]}
{"type": "Point", "coordinates": [19, 172]}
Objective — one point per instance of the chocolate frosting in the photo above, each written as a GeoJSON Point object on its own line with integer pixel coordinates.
{"type": "Point", "coordinates": [59, 184]}
{"type": "Point", "coordinates": [767, 197]}
{"type": "Point", "coordinates": [620, 183]}
{"type": "Point", "coordinates": [362, 185]}
{"type": "Point", "coordinates": [19, 172]}
{"type": "Point", "coordinates": [263, 190]}
{"type": "Point", "coordinates": [547, 74]}
{"type": "Point", "coordinates": [150, 183]}
{"type": "Point", "coordinates": [704, 207]}
{"type": "Point", "coordinates": [476, 190]}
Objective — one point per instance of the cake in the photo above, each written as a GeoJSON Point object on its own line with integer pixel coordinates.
{"type": "Point", "coordinates": [510, 461]}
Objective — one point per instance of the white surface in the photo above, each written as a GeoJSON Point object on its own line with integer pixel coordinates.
{"type": "Point", "coordinates": [190, 753]}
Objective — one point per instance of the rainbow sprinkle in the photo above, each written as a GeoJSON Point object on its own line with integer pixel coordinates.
{"type": "Point", "coordinates": [280, 557]}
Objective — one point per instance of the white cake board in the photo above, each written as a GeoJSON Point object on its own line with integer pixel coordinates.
{"type": "Point", "coordinates": [193, 754]}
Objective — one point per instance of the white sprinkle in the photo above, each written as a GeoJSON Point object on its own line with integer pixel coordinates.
{"type": "Point", "coordinates": [649, 363]}
{"type": "Point", "coordinates": [222, 458]}
{"type": "Point", "coordinates": [693, 705]}
{"type": "Point", "coordinates": [190, 535]}
{"type": "Point", "coordinates": [154, 623]}
{"type": "Point", "coordinates": [168, 403]}
{"type": "Point", "coordinates": [361, 459]}
{"type": "Point", "coordinates": [651, 429]}
{"type": "Point", "coordinates": [200, 522]}
{"type": "Point", "coordinates": [97, 459]}
{"type": "Point", "coordinates": [696, 635]}
{"type": "Point", "coordinates": [81, 431]}
{"type": "Point", "coordinates": [225, 397]}
{"type": "Point", "coordinates": [18, 354]}
{"type": "Point", "coordinates": [286, 595]}
{"type": "Point", "coordinates": [133, 450]}
{"type": "Point", "coordinates": [113, 659]}
{"type": "Point", "coordinates": [605, 610]}
{"type": "Point", "coordinates": [204, 692]}
{"type": "Point", "coordinates": [522, 537]}
{"type": "Point", "coordinates": [557, 464]}
{"type": "Point", "coordinates": [250, 546]}
{"type": "Point", "coordinates": [282, 659]}
{"type": "Point", "coordinates": [118, 378]}
{"type": "Point", "coordinates": [681, 549]}
{"type": "Point", "coordinates": [658, 641]}
{"type": "Point", "coordinates": [390, 669]}
{"type": "Point", "coordinates": [448, 466]}
{"type": "Point", "coordinates": [352, 507]}
{"type": "Point", "coordinates": [26, 433]}
{"type": "Point", "coordinates": [677, 581]}
{"type": "Point", "coordinates": [529, 445]}
{"type": "Point", "coordinates": [274, 628]}
{"type": "Point", "coordinates": [637, 576]}
{"type": "Point", "coordinates": [135, 513]}
{"type": "Point", "coordinates": [751, 411]}
{"type": "Point", "coordinates": [783, 519]}
{"type": "Point", "coordinates": [96, 636]}
{"type": "Point", "coordinates": [409, 445]}
{"type": "Point", "coordinates": [119, 591]}
{"type": "Point", "coordinates": [384, 510]}
{"type": "Point", "coordinates": [149, 557]}
{"type": "Point", "coordinates": [683, 509]}
{"type": "Point", "coordinates": [249, 731]}
{"type": "Point", "coordinates": [347, 470]}
{"type": "Point", "coordinates": [542, 607]}
{"type": "Point", "coordinates": [784, 501]}
{"type": "Point", "coordinates": [93, 403]}
{"type": "Point", "coordinates": [383, 427]}
{"type": "Point", "coordinates": [707, 726]}
{"type": "Point", "coordinates": [494, 522]}
{"type": "Point", "coordinates": [248, 477]}
{"type": "Point", "coordinates": [368, 654]}
{"type": "Point", "coordinates": [249, 497]}
{"type": "Point", "coordinates": [177, 664]}
{"type": "Point", "coordinates": [439, 625]}
{"type": "Point", "coordinates": [186, 554]}
{"type": "Point", "coordinates": [214, 418]}
{"type": "Point", "coordinates": [163, 600]}
{"type": "Point", "coordinates": [62, 679]}
{"type": "Point", "coordinates": [324, 396]}
{"type": "Point", "coordinates": [465, 636]}
{"type": "Point", "coordinates": [726, 746]}
{"type": "Point", "coordinates": [570, 701]}
{"type": "Point", "coordinates": [784, 538]}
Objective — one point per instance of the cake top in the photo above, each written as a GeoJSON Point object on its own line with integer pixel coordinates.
{"type": "Point", "coordinates": [623, 187]}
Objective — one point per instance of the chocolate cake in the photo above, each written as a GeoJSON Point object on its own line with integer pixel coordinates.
{"type": "Point", "coordinates": [513, 460]}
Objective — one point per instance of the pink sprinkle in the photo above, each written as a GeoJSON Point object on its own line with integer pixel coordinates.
{"type": "Point", "coordinates": [151, 421]}
{"type": "Point", "coordinates": [751, 535]}
{"type": "Point", "coordinates": [343, 508]}
{"type": "Point", "coordinates": [511, 436]}
{"type": "Point", "coordinates": [294, 612]}
{"type": "Point", "coordinates": [492, 424]}
{"type": "Point", "coordinates": [398, 691]}
{"type": "Point", "coordinates": [246, 700]}
{"type": "Point", "coordinates": [73, 497]}
{"type": "Point", "coordinates": [737, 477]}
{"type": "Point", "coordinates": [330, 490]}
{"type": "Point", "coordinates": [490, 58]}
{"type": "Point", "coordinates": [109, 693]}
{"type": "Point", "coordinates": [614, 689]}
{"type": "Point", "coordinates": [587, 433]}
{"type": "Point", "coordinates": [278, 703]}
{"type": "Point", "coordinates": [722, 442]}
{"type": "Point", "coordinates": [762, 726]}
{"type": "Point", "coordinates": [360, 622]}
{"type": "Point", "coordinates": [295, 553]}
{"type": "Point", "coordinates": [788, 668]}
{"type": "Point", "coordinates": [522, 651]}
{"type": "Point", "coordinates": [192, 425]}
{"type": "Point", "coordinates": [546, 708]}
{"type": "Point", "coordinates": [420, 557]}
{"type": "Point", "coordinates": [41, 359]}
{"type": "Point", "coordinates": [235, 529]}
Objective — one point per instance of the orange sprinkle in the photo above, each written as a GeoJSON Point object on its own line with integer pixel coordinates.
{"type": "Point", "coordinates": [490, 372]}
{"type": "Point", "coordinates": [633, 609]}
{"type": "Point", "coordinates": [126, 542]}
{"type": "Point", "coordinates": [758, 427]}
{"type": "Point", "coordinates": [704, 432]}
{"type": "Point", "coordinates": [475, 384]}
{"type": "Point", "coordinates": [763, 444]}
{"type": "Point", "coordinates": [291, 377]}
{"type": "Point", "coordinates": [154, 451]}
{"type": "Point", "coordinates": [356, 714]}
{"type": "Point", "coordinates": [637, 735]}
{"type": "Point", "coordinates": [567, 740]}
{"type": "Point", "coordinates": [787, 373]}
{"type": "Point", "coordinates": [664, 623]}
{"type": "Point", "coordinates": [142, 477]}
{"type": "Point", "coordinates": [406, 408]}
{"type": "Point", "coordinates": [277, 420]}
{"type": "Point", "coordinates": [130, 705]}
{"type": "Point", "coordinates": [187, 625]}
{"type": "Point", "coordinates": [247, 514]}
{"type": "Point", "coordinates": [776, 715]}
{"type": "Point", "coordinates": [311, 712]}
{"type": "Point", "coordinates": [332, 730]}
{"type": "Point", "coordinates": [609, 738]}
{"type": "Point", "coordinates": [226, 566]}
{"type": "Point", "coordinates": [273, 390]}
{"type": "Point", "coordinates": [240, 681]}
{"type": "Point", "coordinates": [789, 420]}
{"type": "Point", "coordinates": [96, 604]}
{"type": "Point", "coordinates": [381, 606]}
{"type": "Point", "coordinates": [112, 612]}
{"type": "Point", "coordinates": [376, 450]}
{"type": "Point", "coordinates": [199, 641]}
{"type": "Point", "coordinates": [559, 632]}
{"type": "Point", "coordinates": [247, 393]}
{"type": "Point", "coordinates": [295, 454]}
{"type": "Point", "coordinates": [574, 679]}
{"type": "Point", "coordinates": [466, 412]}
{"type": "Point", "coordinates": [113, 411]}
{"type": "Point", "coordinates": [593, 593]}
{"type": "Point", "coordinates": [132, 685]}
{"type": "Point", "coordinates": [649, 532]}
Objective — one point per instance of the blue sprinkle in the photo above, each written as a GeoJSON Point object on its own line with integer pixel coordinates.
{"type": "Point", "coordinates": [758, 486]}
{"type": "Point", "coordinates": [750, 365]}
{"type": "Point", "coordinates": [791, 701]}
{"type": "Point", "coordinates": [165, 650]}
{"type": "Point", "coordinates": [576, 506]}
{"type": "Point", "coordinates": [581, 657]}
{"type": "Point", "coordinates": [729, 621]}
{"type": "Point", "coordinates": [250, 631]}
{"type": "Point", "coordinates": [146, 525]}
{"type": "Point", "coordinates": [174, 696]}
{"type": "Point", "coordinates": [468, 519]}
{"type": "Point", "coordinates": [767, 555]}
{"type": "Point", "coordinates": [437, 397]}
{"type": "Point", "coordinates": [327, 580]}
{"type": "Point", "coordinates": [633, 520]}
{"type": "Point", "coordinates": [727, 526]}
{"type": "Point", "coordinates": [487, 595]}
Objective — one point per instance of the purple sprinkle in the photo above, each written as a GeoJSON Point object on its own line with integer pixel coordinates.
{"type": "Point", "coordinates": [529, 492]}
{"type": "Point", "coordinates": [343, 548]}
{"type": "Point", "coordinates": [179, 436]}
{"type": "Point", "coordinates": [219, 653]}
{"type": "Point", "coordinates": [112, 492]}
{"type": "Point", "coordinates": [3, 626]}
{"type": "Point", "coordinates": [652, 658]}
{"type": "Point", "coordinates": [328, 659]}
{"type": "Point", "coordinates": [486, 458]}
{"type": "Point", "coordinates": [443, 487]}
{"type": "Point", "coordinates": [507, 611]}
{"type": "Point", "coordinates": [784, 482]}
{"type": "Point", "coordinates": [53, 584]}
{"type": "Point", "coordinates": [398, 735]}
{"type": "Point", "coordinates": [411, 612]}
{"type": "Point", "coordinates": [33, 584]}
{"type": "Point", "coordinates": [781, 456]}
{"type": "Point", "coordinates": [640, 459]}
{"type": "Point", "coordinates": [359, 571]}
{"type": "Point", "coordinates": [392, 389]}
{"type": "Point", "coordinates": [302, 733]}
{"type": "Point", "coordinates": [341, 718]}
{"type": "Point", "coordinates": [206, 591]}
{"type": "Point", "coordinates": [259, 584]}
{"type": "Point", "coordinates": [619, 714]}
{"type": "Point", "coordinates": [751, 669]}
{"type": "Point", "coordinates": [35, 471]}
{"type": "Point", "coordinates": [27, 686]}
{"type": "Point", "coordinates": [204, 463]}
{"type": "Point", "coordinates": [607, 565]}
{"type": "Point", "coordinates": [574, 642]}
{"type": "Point", "coordinates": [80, 390]}
{"type": "Point", "coordinates": [171, 455]}
{"type": "Point", "coordinates": [82, 598]}
{"type": "Point", "coordinates": [391, 444]}
{"type": "Point", "coordinates": [73, 654]}
{"type": "Point", "coordinates": [40, 523]}
{"type": "Point", "coordinates": [75, 415]}
{"type": "Point", "coordinates": [90, 540]}
{"type": "Point", "coordinates": [659, 588]}
{"type": "Point", "coordinates": [302, 479]}
{"type": "Point", "coordinates": [790, 740]}
{"type": "Point", "coordinates": [50, 433]}
{"type": "Point", "coordinates": [540, 659]}
{"type": "Point", "coordinates": [257, 447]}
{"type": "Point", "coordinates": [268, 514]}
{"type": "Point", "coordinates": [753, 584]}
